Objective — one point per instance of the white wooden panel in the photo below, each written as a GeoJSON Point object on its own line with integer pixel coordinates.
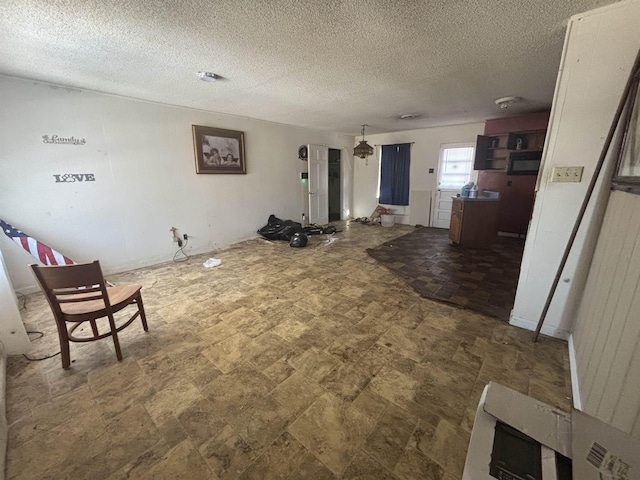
{"type": "Point", "coordinates": [12, 332]}
{"type": "Point", "coordinates": [606, 387]}
{"type": "Point", "coordinates": [606, 294]}
{"type": "Point", "coordinates": [627, 402]}
{"type": "Point", "coordinates": [442, 213]}
{"type": "Point", "coordinates": [607, 331]}
{"type": "Point", "coordinates": [420, 213]}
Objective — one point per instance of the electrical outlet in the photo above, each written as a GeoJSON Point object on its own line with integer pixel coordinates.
{"type": "Point", "coordinates": [567, 174]}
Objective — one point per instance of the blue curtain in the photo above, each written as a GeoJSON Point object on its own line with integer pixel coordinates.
{"type": "Point", "coordinates": [394, 174]}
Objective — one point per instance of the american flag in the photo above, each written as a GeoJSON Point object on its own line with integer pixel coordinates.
{"type": "Point", "coordinates": [42, 252]}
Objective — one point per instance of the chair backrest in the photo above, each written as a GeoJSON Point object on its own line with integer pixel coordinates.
{"type": "Point", "coordinates": [71, 283]}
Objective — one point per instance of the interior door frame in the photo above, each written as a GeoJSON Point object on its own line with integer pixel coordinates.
{"type": "Point", "coordinates": [472, 177]}
{"type": "Point", "coordinates": [340, 186]}
{"type": "Point", "coordinates": [318, 186]}
{"type": "Point", "coordinates": [346, 181]}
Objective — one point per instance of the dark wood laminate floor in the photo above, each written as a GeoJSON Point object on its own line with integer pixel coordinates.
{"type": "Point", "coordinates": [481, 280]}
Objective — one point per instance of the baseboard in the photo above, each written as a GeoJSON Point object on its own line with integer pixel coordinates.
{"type": "Point", "coordinates": [575, 383]}
{"type": "Point", "coordinates": [29, 290]}
{"type": "Point", "coordinates": [551, 331]}
{"type": "Point", "coordinates": [152, 262]}
{"type": "Point", "coordinates": [509, 234]}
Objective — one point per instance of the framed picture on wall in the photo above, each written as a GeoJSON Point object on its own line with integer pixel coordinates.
{"type": "Point", "coordinates": [218, 150]}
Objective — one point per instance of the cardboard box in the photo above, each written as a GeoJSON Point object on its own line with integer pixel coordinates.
{"type": "Point", "coordinates": [598, 451]}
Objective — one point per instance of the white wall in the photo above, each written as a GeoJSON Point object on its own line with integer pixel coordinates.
{"type": "Point", "coordinates": [13, 335]}
{"type": "Point", "coordinates": [142, 157]}
{"type": "Point", "coordinates": [599, 51]}
{"type": "Point", "coordinates": [425, 153]}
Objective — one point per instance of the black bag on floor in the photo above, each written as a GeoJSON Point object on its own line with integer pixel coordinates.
{"type": "Point", "coordinates": [277, 229]}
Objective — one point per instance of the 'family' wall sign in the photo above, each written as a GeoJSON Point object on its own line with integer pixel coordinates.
{"type": "Point", "coordinates": [55, 139]}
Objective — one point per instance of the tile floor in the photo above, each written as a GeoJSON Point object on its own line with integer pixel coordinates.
{"type": "Point", "coordinates": [483, 280]}
{"type": "Point", "coordinates": [314, 363]}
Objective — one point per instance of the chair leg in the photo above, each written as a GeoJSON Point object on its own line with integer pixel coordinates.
{"type": "Point", "coordinates": [114, 334]}
{"type": "Point", "coordinates": [143, 317]}
{"type": "Point", "coordinates": [63, 337]}
{"type": "Point", "coordinates": [94, 328]}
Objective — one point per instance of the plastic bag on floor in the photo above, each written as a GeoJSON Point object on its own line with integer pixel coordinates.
{"type": "Point", "coordinates": [212, 262]}
{"type": "Point", "coordinates": [277, 229]}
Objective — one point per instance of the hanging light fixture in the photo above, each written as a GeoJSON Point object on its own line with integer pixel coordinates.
{"type": "Point", "coordinates": [363, 149]}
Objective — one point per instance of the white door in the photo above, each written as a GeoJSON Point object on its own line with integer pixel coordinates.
{"type": "Point", "coordinates": [318, 184]}
{"type": "Point", "coordinates": [454, 171]}
{"type": "Point", "coordinates": [442, 214]}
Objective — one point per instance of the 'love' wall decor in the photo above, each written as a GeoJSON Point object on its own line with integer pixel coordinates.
{"type": "Point", "coordinates": [75, 177]}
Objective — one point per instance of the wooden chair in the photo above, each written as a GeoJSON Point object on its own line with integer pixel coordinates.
{"type": "Point", "coordinates": [79, 294]}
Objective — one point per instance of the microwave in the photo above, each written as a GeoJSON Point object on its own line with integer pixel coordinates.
{"type": "Point", "coordinates": [524, 163]}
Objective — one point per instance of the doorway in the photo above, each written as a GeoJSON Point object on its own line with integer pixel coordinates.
{"type": "Point", "coordinates": [318, 171]}
{"type": "Point", "coordinates": [334, 185]}
{"type": "Point", "coordinates": [454, 171]}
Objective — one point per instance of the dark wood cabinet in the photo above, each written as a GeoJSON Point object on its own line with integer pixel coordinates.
{"type": "Point", "coordinates": [473, 222]}
{"type": "Point", "coordinates": [533, 140]}
{"type": "Point", "coordinates": [508, 157]}
{"type": "Point", "coordinates": [517, 194]}
{"type": "Point", "coordinates": [493, 151]}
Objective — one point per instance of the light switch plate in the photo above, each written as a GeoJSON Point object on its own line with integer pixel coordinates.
{"type": "Point", "coordinates": [567, 174]}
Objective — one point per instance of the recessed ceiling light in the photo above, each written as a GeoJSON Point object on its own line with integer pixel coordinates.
{"type": "Point", "coordinates": [207, 76]}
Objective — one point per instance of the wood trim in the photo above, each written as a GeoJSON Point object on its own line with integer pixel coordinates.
{"type": "Point", "coordinates": [519, 123]}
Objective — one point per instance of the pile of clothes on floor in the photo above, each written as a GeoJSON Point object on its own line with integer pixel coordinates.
{"type": "Point", "coordinates": [375, 217]}
{"type": "Point", "coordinates": [293, 232]}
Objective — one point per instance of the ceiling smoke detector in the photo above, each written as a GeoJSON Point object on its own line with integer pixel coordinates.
{"type": "Point", "coordinates": [506, 102]}
{"type": "Point", "coordinates": [208, 76]}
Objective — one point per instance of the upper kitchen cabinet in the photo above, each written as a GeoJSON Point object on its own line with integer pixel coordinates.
{"type": "Point", "coordinates": [491, 152]}
{"type": "Point", "coordinates": [508, 156]}
{"type": "Point", "coordinates": [495, 152]}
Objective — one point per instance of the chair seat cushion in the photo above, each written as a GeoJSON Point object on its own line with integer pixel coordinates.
{"type": "Point", "coordinates": [117, 296]}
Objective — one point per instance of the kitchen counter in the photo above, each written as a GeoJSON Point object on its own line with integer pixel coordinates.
{"type": "Point", "coordinates": [478, 199]}
{"type": "Point", "coordinates": [474, 221]}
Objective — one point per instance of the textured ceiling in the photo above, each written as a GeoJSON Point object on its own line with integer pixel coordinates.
{"type": "Point", "coordinates": [325, 64]}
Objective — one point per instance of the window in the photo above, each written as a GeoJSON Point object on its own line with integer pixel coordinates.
{"type": "Point", "coordinates": [456, 164]}
{"type": "Point", "coordinates": [395, 163]}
